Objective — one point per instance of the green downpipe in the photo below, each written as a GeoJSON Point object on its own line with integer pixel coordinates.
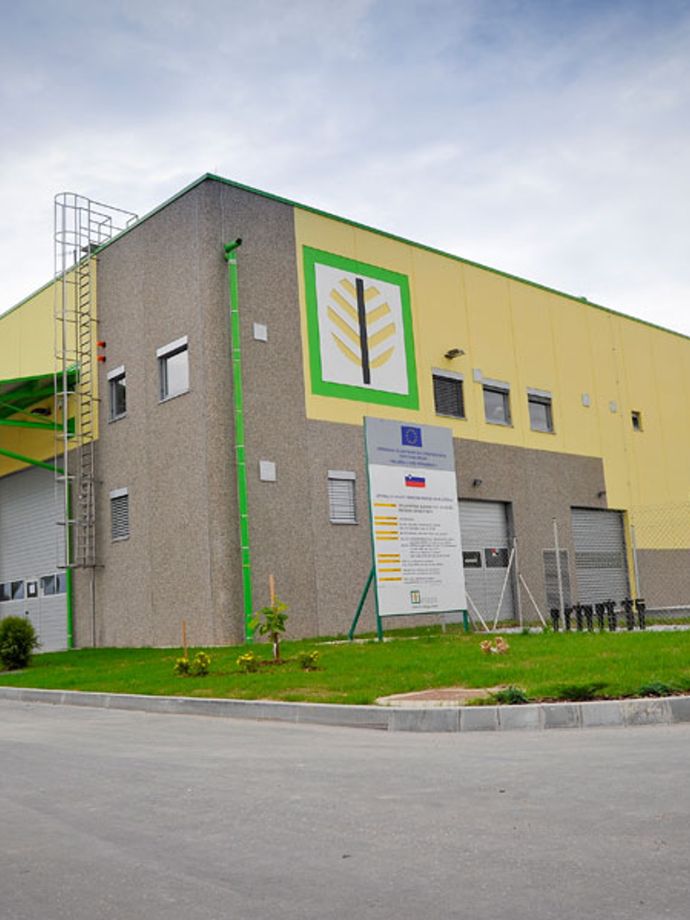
{"type": "Point", "coordinates": [70, 588]}
{"type": "Point", "coordinates": [70, 592]}
{"type": "Point", "coordinates": [240, 459]}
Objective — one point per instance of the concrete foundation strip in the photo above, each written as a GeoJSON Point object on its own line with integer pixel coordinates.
{"type": "Point", "coordinates": [533, 716]}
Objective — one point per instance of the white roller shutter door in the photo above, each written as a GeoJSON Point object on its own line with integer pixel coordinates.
{"type": "Point", "coordinates": [30, 543]}
{"type": "Point", "coordinates": [485, 549]}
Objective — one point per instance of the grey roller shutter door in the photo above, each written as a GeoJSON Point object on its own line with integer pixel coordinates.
{"type": "Point", "coordinates": [600, 560]}
{"type": "Point", "coordinates": [30, 545]}
{"type": "Point", "coordinates": [484, 531]}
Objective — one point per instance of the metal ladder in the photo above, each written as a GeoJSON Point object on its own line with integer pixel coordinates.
{"type": "Point", "coordinates": [81, 226]}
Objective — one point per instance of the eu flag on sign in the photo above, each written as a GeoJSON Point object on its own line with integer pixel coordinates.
{"type": "Point", "coordinates": [411, 436]}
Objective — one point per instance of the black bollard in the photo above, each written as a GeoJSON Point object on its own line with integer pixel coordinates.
{"type": "Point", "coordinates": [627, 605]}
{"type": "Point", "coordinates": [555, 618]}
{"type": "Point", "coordinates": [578, 617]}
{"type": "Point", "coordinates": [600, 610]}
{"type": "Point", "coordinates": [641, 612]}
{"type": "Point", "coordinates": [588, 611]}
{"type": "Point", "coordinates": [611, 615]}
{"type": "Point", "coordinates": [567, 613]}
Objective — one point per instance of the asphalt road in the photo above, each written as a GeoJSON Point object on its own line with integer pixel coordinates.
{"type": "Point", "coordinates": [122, 815]}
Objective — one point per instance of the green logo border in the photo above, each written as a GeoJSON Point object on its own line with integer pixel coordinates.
{"type": "Point", "coordinates": [321, 387]}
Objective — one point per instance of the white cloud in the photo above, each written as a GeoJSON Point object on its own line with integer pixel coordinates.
{"type": "Point", "coordinates": [548, 140]}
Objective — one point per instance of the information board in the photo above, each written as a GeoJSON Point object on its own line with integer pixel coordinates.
{"type": "Point", "coordinates": [413, 503]}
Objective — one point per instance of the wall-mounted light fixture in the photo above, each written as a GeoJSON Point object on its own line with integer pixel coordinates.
{"type": "Point", "coordinates": [454, 353]}
{"type": "Point", "coordinates": [601, 493]}
{"type": "Point", "coordinates": [477, 482]}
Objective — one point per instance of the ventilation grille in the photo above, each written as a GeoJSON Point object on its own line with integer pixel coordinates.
{"type": "Point", "coordinates": [119, 517]}
{"type": "Point", "coordinates": [448, 398]}
{"type": "Point", "coordinates": [341, 501]}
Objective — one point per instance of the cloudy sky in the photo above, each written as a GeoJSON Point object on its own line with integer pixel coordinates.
{"type": "Point", "coordinates": [548, 139]}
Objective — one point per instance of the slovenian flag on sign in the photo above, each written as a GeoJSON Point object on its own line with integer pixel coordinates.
{"type": "Point", "coordinates": [415, 482]}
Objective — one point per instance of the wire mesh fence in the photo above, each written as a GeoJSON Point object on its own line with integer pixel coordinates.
{"type": "Point", "coordinates": [660, 557]}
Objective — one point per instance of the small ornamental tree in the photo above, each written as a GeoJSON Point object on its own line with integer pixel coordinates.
{"type": "Point", "coordinates": [17, 641]}
{"type": "Point", "coordinates": [271, 621]}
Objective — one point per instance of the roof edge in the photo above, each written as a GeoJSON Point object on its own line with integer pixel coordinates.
{"type": "Point", "coordinates": [213, 177]}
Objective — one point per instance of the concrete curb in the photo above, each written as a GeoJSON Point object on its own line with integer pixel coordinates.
{"type": "Point", "coordinates": [534, 716]}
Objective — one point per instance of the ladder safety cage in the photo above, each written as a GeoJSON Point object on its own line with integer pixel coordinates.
{"type": "Point", "coordinates": [80, 227]}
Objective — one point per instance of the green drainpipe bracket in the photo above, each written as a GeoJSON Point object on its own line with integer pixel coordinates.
{"type": "Point", "coordinates": [240, 459]}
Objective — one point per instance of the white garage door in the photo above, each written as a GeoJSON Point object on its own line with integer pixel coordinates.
{"type": "Point", "coordinates": [485, 552]}
{"type": "Point", "coordinates": [30, 544]}
{"type": "Point", "coordinates": [600, 562]}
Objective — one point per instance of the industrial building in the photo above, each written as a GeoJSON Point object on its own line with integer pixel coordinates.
{"type": "Point", "coordinates": [181, 416]}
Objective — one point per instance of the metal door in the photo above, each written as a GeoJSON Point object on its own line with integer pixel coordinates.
{"type": "Point", "coordinates": [486, 552]}
{"type": "Point", "coordinates": [600, 561]}
{"type": "Point", "coordinates": [30, 545]}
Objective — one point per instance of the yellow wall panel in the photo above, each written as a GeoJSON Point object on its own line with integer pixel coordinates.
{"type": "Point", "coordinates": [529, 337]}
{"type": "Point", "coordinates": [27, 349]}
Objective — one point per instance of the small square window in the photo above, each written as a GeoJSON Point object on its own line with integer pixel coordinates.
{"type": "Point", "coordinates": [496, 405]}
{"type": "Point", "coordinates": [540, 414]}
{"type": "Point", "coordinates": [117, 390]}
{"type": "Point", "coordinates": [342, 508]}
{"type": "Point", "coordinates": [53, 584]}
{"type": "Point", "coordinates": [5, 592]}
{"type": "Point", "coordinates": [448, 395]}
{"type": "Point", "coordinates": [119, 515]}
{"type": "Point", "coordinates": [173, 369]}
{"type": "Point", "coordinates": [636, 418]}
{"type": "Point", "coordinates": [17, 590]}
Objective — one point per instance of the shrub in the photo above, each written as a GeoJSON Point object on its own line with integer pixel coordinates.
{"type": "Point", "coordinates": [248, 663]}
{"type": "Point", "coordinates": [199, 666]}
{"type": "Point", "coordinates": [182, 666]}
{"type": "Point", "coordinates": [17, 641]}
{"type": "Point", "coordinates": [308, 661]}
{"type": "Point", "coordinates": [656, 688]}
{"type": "Point", "coordinates": [271, 621]}
{"type": "Point", "coordinates": [579, 693]}
{"type": "Point", "coordinates": [511, 696]}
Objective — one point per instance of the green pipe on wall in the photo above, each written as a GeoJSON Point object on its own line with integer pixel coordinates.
{"type": "Point", "coordinates": [240, 459]}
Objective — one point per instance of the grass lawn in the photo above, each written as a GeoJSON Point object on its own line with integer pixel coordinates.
{"type": "Point", "coordinates": [542, 665]}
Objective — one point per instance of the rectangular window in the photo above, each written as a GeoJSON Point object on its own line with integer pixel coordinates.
{"type": "Point", "coordinates": [173, 368]}
{"type": "Point", "coordinates": [53, 584]}
{"type": "Point", "coordinates": [341, 497]}
{"type": "Point", "coordinates": [119, 514]}
{"type": "Point", "coordinates": [12, 591]}
{"type": "Point", "coordinates": [117, 390]}
{"type": "Point", "coordinates": [497, 403]}
{"type": "Point", "coordinates": [636, 421]}
{"type": "Point", "coordinates": [448, 394]}
{"type": "Point", "coordinates": [540, 414]}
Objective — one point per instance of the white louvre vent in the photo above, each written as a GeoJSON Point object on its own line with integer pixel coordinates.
{"type": "Point", "coordinates": [341, 497]}
{"type": "Point", "coordinates": [119, 514]}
